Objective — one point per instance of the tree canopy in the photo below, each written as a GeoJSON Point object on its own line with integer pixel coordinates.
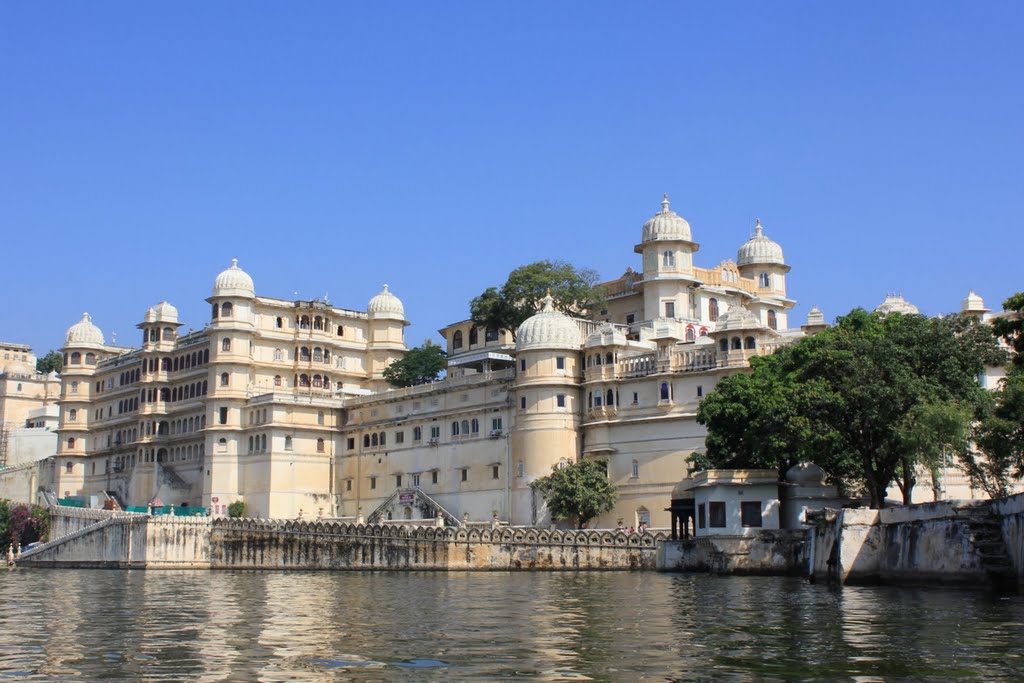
{"type": "Point", "coordinates": [868, 400]}
{"type": "Point", "coordinates": [51, 361]}
{"type": "Point", "coordinates": [419, 365]}
{"type": "Point", "coordinates": [578, 491]}
{"type": "Point", "coordinates": [519, 298]}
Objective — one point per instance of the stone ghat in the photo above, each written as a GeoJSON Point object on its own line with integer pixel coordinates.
{"type": "Point", "coordinates": [143, 542]}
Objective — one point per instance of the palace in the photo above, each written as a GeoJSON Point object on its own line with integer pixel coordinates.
{"type": "Point", "coordinates": [283, 405]}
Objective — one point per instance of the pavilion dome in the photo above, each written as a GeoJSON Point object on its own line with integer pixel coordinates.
{"type": "Point", "coordinates": [737, 318]}
{"type": "Point", "coordinates": [666, 225]}
{"type": "Point", "coordinates": [606, 335]}
{"type": "Point", "coordinates": [234, 282]}
{"type": "Point", "coordinates": [84, 333]}
{"type": "Point", "coordinates": [386, 306]}
{"type": "Point", "coordinates": [895, 303]}
{"type": "Point", "coordinates": [973, 304]}
{"type": "Point", "coordinates": [548, 329]}
{"type": "Point", "coordinates": [759, 249]}
{"type": "Point", "coordinates": [164, 312]}
{"type": "Point", "coordinates": [806, 474]}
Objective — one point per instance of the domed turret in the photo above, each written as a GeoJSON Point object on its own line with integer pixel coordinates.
{"type": "Point", "coordinates": [163, 312]}
{"type": "Point", "coordinates": [666, 225]}
{"type": "Point", "coordinates": [973, 305]}
{"type": "Point", "coordinates": [234, 282]}
{"type": "Point", "coordinates": [84, 333]}
{"type": "Point", "coordinates": [760, 250]}
{"type": "Point", "coordinates": [895, 303]}
{"type": "Point", "coordinates": [548, 329]}
{"type": "Point", "coordinates": [386, 306]}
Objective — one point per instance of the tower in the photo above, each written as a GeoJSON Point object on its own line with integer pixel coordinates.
{"type": "Point", "coordinates": [667, 247]}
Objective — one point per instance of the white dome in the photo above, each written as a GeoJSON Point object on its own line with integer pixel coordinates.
{"type": "Point", "coordinates": [163, 312]}
{"type": "Point", "coordinates": [973, 304]}
{"type": "Point", "coordinates": [759, 249]}
{"type": "Point", "coordinates": [84, 333]}
{"type": "Point", "coordinates": [234, 282]}
{"type": "Point", "coordinates": [806, 474]}
{"type": "Point", "coordinates": [18, 367]}
{"type": "Point", "coordinates": [815, 317]}
{"type": "Point", "coordinates": [895, 303]}
{"type": "Point", "coordinates": [548, 329]}
{"type": "Point", "coordinates": [737, 318]}
{"type": "Point", "coordinates": [607, 335]}
{"type": "Point", "coordinates": [386, 306]}
{"type": "Point", "coordinates": [666, 225]}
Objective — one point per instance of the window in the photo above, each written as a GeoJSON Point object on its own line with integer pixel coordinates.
{"type": "Point", "coordinates": [417, 433]}
{"type": "Point", "coordinates": [465, 426]}
{"type": "Point", "coordinates": [348, 484]}
{"type": "Point", "coordinates": [435, 432]}
{"type": "Point", "coordinates": [520, 469]}
{"type": "Point", "coordinates": [69, 467]}
{"type": "Point", "coordinates": [494, 472]}
{"type": "Point", "coordinates": [750, 513]}
{"type": "Point", "coordinates": [764, 281]}
{"type": "Point", "coordinates": [373, 483]}
{"type": "Point", "coordinates": [320, 417]}
{"type": "Point", "coordinates": [224, 379]}
{"type": "Point", "coordinates": [277, 380]}
{"type": "Point", "coordinates": [216, 310]}
{"type": "Point", "coordinates": [319, 445]}
{"type": "Point", "coordinates": [643, 516]}
{"type": "Point", "coordinates": [222, 445]}
{"type": "Point", "coordinates": [702, 516]}
{"type": "Point", "coordinates": [76, 358]}
{"type": "Point", "coordinates": [700, 391]}
{"type": "Point", "coordinates": [278, 353]}
{"type": "Point", "coordinates": [668, 259]}
{"type": "Point", "coordinates": [724, 345]}
{"type": "Point", "coordinates": [522, 403]}
{"type": "Point", "coordinates": [636, 398]}
{"type": "Point", "coordinates": [560, 400]}
{"type": "Point", "coordinates": [690, 334]}
{"type": "Point", "coordinates": [415, 480]}
{"type": "Point", "coordinates": [713, 310]}
{"type": "Point", "coordinates": [773, 322]}
{"type": "Point", "coordinates": [455, 428]}
{"type": "Point", "coordinates": [287, 443]}
{"type": "Point", "coordinates": [398, 481]}
{"type": "Point", "coordinates": [491, 334]}
{"type": "Point", "coordinates": [465, 474]}
{"type": "Point", "coordinates": [636, 469]}
{"type": "Point", "coordinates": [223, 416]}
{"type": "Point", "coordinates": [474, 426]}
{"type": "Point", "coordinates": [716, 514]}
{"type": "Point", "coordinates": [225, 345]}
{"type": "Point", "coordinates": [630, 318]}
{"type": "Point", "coordinates": [74, 387]}
{"type": "Point", "coordinates": [374, 440]}
{"type": "Point", "coordinates": [665, 392]}
{"type": "Point", "coordinates": [366, 440]}
{"type": "Point", "coordinates": [399, 437]}
{"type": "Point", "coordinates": [226, 310]}
{"type": "Point", "coordinates": [71, 443]}
{"type": "Point", "coordinates": [457, 339]}
{"type": "Point", "coordinates": [522, 365]}
{"type": "Point", "coordinates": [670, 309]}
{"type": "Point", "coordinates": [72, 415]}
{"type": "Point", "coordinates": [279, 323]}
{"type": "Point", "coordinates": [433, 477]}
{"type": "Point", "coordinates": [496, 424]}
{"type": "Point", "coordinates": [749, 343]}
{"type": "Point", "coordinates": [350, 443]}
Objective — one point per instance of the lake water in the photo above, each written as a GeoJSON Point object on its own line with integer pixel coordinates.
{"type": "Point", "coordinates": [276, 626]}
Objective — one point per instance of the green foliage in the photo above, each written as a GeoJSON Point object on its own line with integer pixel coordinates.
{"type": "Point", "coordinates": [1011, 327]}
{"type": "Point", "coordinates": [419, 365]}
{"type": "Point", "coordinates": [237, 509]}
{"type": "Point", "coordinates": [52, 361]}
{"type": "Point", "coordinates": [579, 491]}
{"type": "Point", "coordinates": [22, 524]}
{"type": "Point", "coordinates": [857, 399]}
{"type": "Point", "coordinates": [520, 297]}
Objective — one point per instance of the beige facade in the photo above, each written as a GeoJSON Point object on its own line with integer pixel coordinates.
{"type": "Point", "coordinates": [25, 396]}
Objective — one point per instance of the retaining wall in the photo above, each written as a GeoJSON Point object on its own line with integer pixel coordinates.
{"type": "Point", "coordinates": [770, 552]}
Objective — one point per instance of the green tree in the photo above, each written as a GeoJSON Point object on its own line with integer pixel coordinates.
{"type": "Point", "coordinates": [850, 399]}
{"type": "Point", "coordinates": [419, 365]}
{"type": "Point", "coordinates": [237, 508]}
{"type": "Point", "coordinates": [51, 361]}
{"type": "Point", "coordinates": [1011, 328]}
{"type": "Point", "coordinates": [573, 290]}
{"type": "Point", "coordinates": [579, 491]}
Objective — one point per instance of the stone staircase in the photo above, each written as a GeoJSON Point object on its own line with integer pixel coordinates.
{"type": "Point", "coordinates": [986, 536]}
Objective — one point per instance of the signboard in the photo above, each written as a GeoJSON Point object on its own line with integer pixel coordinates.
{"type": "Point", "coordinates": [406, 498]}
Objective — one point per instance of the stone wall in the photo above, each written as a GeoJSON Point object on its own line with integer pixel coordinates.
{"type": "Point", "coordinates": [139, 541]}
{"type": "Point", "coordinates": [932, 542]}
{"type": "Point", "coordinates": [770, 552]}
{"type": "Point", "coordinates": [19, 483]}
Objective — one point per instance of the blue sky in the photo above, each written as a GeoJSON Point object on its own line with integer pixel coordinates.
{"type": "Point", "coordinates": [332, 147]}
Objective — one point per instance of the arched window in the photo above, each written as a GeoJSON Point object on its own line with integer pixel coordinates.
{"type": "Point", "coordinates": [165, 394]}
{"type": "Point", "coordinates": [320, 417]}
{"type": "Point", "coordinates": [473, 336]}
{"type": "Point", "coordinates": [304, 322]}
{"type": "Point", "coordinates": [609, 399]}
{"type": "Point", "coordinates": [279, 322]}
{"type": "Point", "coordinates": [206, 356]}
{"type": "Point", "coordinates": [773, 322]}
{"type": "Point", "coordinates": [665, 392]}
{"type": "Point", "coordinates": [224, 379]}
{"type": "Point", "coordinates": [216, 311]}
{"type": "Point", "coordinates": [327, 382]}
{"type": "Point", "coordinates": [277, 380]}
{"type": "Point", "coordinates": [465, 426]}
{"type": "Point", "coordinates": [304, 353]}
{"type": "Point", "coordinates": [303, 380]}
{"type": "Point", "coordinates": [225, 344]}
{"type": "Point", "coordinates": [278, 354]}
{"type": "Point", "coordinates": [764, 280]}
{"type": "Point", "coordinates": [712, 310]}
{"type": "Point", "coordinates": [222, 445]}
{"type": "Point", "coordinates": [609, 358]}
{"type": "Point", "coordinates": [318, 323]}
{"type": "Point", "coordinates": [74, 387]}
{"type": "Point", "coordinates": [457, 339]}
{"type": "Point", "coordinates": [668, 259]}
{"type": "Point", "coordinates": [204, 387]}
{"type": "Point", "coordinates": [475, 426]}
{"type": "Point", "coordinates": [168, 334]}
{"type": "Point", "coordinates": [263, 443]}
{"type": "Point", "coordinates": [736, 343]}
{"type": "Point", "coordinates": [750, 343]}
{"type": "Point", "coordinates": [327, 356]}
{"type": "Point", "coordinates": [366, 440]}
{"type": "Point", "coordinates": [455, 428]}
{"type": "Point", "coordinates": [76, 358]}
{"type": "Point", "coordinates": [374, 440]}
{"type": "Point", "coordinates": [383, 439]}
{"type": "Point", "coordinates": [319, 445]}
{"type": "Point", "coordinates": [690, 334]}
{"type": "Point", "coordinates": [318, 354]}
{"type": "Point", "coordinates": [341, 330]}
{"type": "Point", "coordinates": [491, 334]}
{"type": "Point", "coordinates": [71, 443]}
{"type": "Point", "coordinates": [318, 381]}
{"type": "Point", "coordinates": [703, 331]}
{"type": "Point", "coordinates": [72, 415]}
{"type": "Point", "coordinates": [226, 310]}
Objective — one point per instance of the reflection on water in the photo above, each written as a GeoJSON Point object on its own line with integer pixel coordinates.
{"type": "Point", "coordinates": [273, 626]}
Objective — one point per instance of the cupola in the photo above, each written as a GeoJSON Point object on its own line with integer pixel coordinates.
{"type": "Point", "coordinates": [666, 225]}
{"type": "Point", "coordinates": [84, 333]}
{"type": "Point", "coordinates": [234, 282]}
{"type": "Point", "coordinates": [386, 306]}
{"type": "Point", "coordinates": [895, 303]}
{"type": "Point", "coordinates": [760, 250]}
{"type": "Point", "coordinates": [548, 329]}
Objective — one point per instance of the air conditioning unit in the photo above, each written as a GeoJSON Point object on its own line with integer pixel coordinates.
{"type": "Point", "coordinates": [433, 442]}
{"type": "Point", "coordinates": [495, 433]}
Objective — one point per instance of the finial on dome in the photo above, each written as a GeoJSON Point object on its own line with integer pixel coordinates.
{"type": "Point", "coordinates": [664, 202]}
{"type": "Point", "coordinates": [234, 263]}
{"type": "Point", "coordinates": [86, 317]}
{"type": "Point", "coordinates": [757, 227]}
{"type": "Point", "coordinates": [549, 301]}
{"type": "Point", "coordinates": [385, 286]}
